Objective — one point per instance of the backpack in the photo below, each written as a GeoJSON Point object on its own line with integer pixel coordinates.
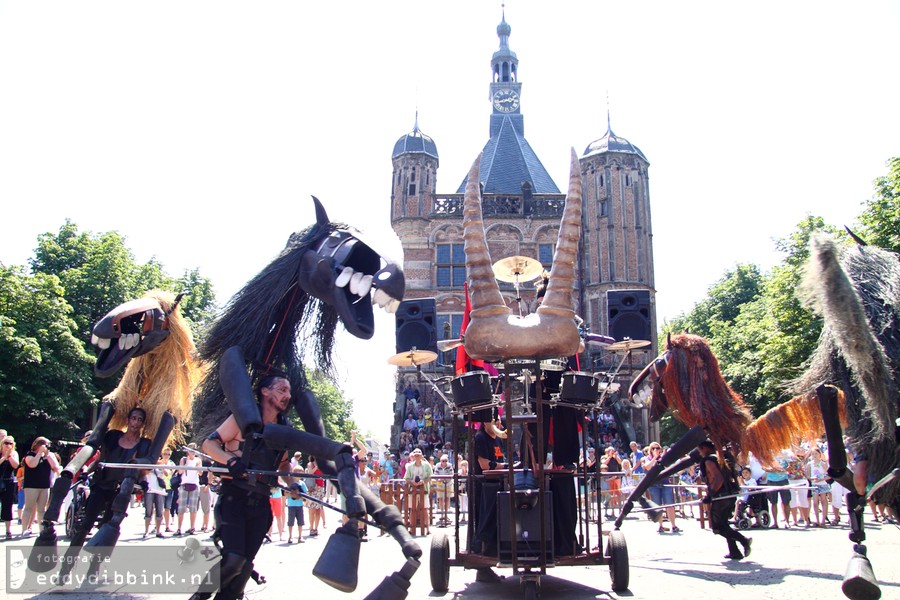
{"type": "Point", "coordinates": [731, 472]}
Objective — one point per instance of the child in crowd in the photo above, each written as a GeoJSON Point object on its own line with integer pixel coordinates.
{"type": "Point", "coordinates": [295, 508]}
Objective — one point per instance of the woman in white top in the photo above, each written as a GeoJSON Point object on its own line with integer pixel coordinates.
{"type": "Point", "coordinates": [816, 472]}
{"type": "Point", "coordinates": [189, 492]}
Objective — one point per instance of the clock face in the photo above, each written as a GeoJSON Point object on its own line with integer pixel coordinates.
{"type": "Point", "coordinates": [506, 101]}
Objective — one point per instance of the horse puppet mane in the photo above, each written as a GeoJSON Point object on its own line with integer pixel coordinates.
{"type": "Point", "coordinates": [161, 380]}
{"type": "Point", "coordinates": [697, 394]}
{"type": "Point", "coordinates": [265, 319]}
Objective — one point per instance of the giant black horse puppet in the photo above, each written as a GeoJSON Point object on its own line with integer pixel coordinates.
{"type": "Point", "coordinates": [324, 275]}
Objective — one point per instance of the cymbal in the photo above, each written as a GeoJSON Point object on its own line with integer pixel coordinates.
{"type": "Point", "coordinates": [627, 344]}
{"type": "Point", "coordinates": [413, 358]}
{"type": "Point", "coordinates": [513, 269]}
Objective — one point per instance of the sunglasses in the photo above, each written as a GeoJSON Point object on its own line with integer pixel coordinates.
{"type": "Point", "coordinates": [8, 443]}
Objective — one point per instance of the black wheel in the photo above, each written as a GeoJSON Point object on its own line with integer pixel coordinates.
{"type": "Point", "coordinates": [743, 523]}
{"type": "Point", "coordinates": [530, 590]}
{"type": "Point", "coordinates": [70, 521]}
{"type": "Point", "coordinates": [75, 514]}
{"type": "Point", "coordinates": [764, 519]}
{"type": "Point", "coordinates": [440, 563]}
{"type": "Point", "coordinates": [617, 551]}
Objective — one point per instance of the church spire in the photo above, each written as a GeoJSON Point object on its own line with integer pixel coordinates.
{"type": "Point", "coordinates": [504, 63]}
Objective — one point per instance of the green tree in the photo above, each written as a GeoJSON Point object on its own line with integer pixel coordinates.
{"type": "Point", "coordinates": [94, 273]}
{"type": "Point", "coordinates": [722, 304]}
{"type": "Point", "coordinates": [756, 326]}
{"type": "Point", "coordinates": [336, 409]}
{"type": "Point", "coordinates": [880, 219]}
{"type": "Point", "coordinates": [45, 373]}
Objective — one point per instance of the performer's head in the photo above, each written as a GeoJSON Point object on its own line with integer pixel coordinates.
{"type": "Point", "coordinates": [541, 290]}
{"type": "Point", "coordinates": [416, 456]}
{"type": "Point", "coordinates": [136, 418]}
{"type": "Point", "coordinates": [274, 392]}
{"type": "Point", "coordinates": [705, 448]}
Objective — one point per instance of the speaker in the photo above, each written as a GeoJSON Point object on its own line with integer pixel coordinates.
{"type": "Point", "coordinates": [629, 314]}
{"type": "Point", "coordinates": [416, 325]}
{"type": "Point", "coordinates": [528, 529]}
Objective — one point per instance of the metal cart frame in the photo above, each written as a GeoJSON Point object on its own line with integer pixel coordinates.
{"type": "Point", "coordinates": [529, 568]}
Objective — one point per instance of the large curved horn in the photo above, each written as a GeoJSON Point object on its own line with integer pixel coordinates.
{"type": "Point", "coordinates": [483, 288]}
{"type": "Point", "coordinates": [493, 332]}
{"type": "Point", "coordinates": [558, 299]}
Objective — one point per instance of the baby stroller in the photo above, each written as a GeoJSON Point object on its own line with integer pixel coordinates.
{"type": "Point", "coordinates": [755, 507]}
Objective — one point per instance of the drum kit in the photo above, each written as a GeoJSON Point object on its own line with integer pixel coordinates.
{"type": "Point", "coordinates": [474, 389]}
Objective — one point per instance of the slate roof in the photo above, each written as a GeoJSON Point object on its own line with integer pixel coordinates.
{"type": "Point", "coordinates": [415, 142]}
{"type": "Point", "coordinates": [610, 142]}
{"type": "Point", "coordinates": [508, 161]}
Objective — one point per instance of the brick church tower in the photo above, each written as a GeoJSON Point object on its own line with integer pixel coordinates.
{"type": "Point", "coordinates": [522, 207]}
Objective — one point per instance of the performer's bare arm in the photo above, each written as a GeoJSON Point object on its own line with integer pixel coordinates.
{"type": "Point", "coordinates": [228, 444]}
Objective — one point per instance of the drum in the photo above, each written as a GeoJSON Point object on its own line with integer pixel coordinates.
{"type": "Point", "coordinates": [554, 364]}
{"type": "Point", "coordinates": [471, 389]}
{"type": "Point", "coordinates": [579, 387]}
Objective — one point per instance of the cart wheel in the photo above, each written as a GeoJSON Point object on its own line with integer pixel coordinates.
{"type": "Point", "coordinates": [440, 563]}
{"type": "Point", "coordinates": [70, 521]}
{"type": "Point", "coordinates": [764, 519]}
{"type": "Point", "coordinates": [743, 523]}
{"type": "Point", "coordinates": [618, 560]}
{"type": "Point", "coordinates": [530, 590]}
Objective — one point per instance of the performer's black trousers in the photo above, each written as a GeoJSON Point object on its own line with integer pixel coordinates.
{"type": "Point", "coordinates": [486, 523]}
{"type": "Point", "coordinates": [720, 512]}
{"type": "Point", "coordinates": [99, 500]}
{"type": "Point", "coordinates": [565, 514]}
{"type": "Point", "coordinates": [242, 520]}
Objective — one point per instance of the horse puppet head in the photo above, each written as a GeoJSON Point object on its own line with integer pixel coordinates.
{"type": "Point", "coordinates": [152, 337]}
{"type": "Point", "coordinates": [686, 380]}
{"type": "Point", "coordinates": [326, 274]}
{"type": "Point", "coordinates": [493, 332]}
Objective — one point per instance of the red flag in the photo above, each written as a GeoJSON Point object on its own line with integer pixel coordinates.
{"type": "Point", "coordinates": [462, 359]}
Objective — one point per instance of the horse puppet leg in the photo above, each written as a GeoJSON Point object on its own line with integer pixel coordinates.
{"type": "Point", "coordinates": [41, 558]}
{"type": "Point", "coordinates": [683, 446]}
{"type": "Point", "coordinates": [859, 579]}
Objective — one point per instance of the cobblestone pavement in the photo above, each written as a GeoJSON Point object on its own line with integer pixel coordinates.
{"type": "Point", "coordinates": [785, 564]}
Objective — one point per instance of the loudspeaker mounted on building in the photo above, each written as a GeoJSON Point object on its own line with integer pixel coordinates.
{"type": "Point", "coordinates": [416, 325]}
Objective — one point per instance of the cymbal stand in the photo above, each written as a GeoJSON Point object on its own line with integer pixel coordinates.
{"type": "Point", "coordinates": [611, 377]}
{"type": "Point", "coordinates": [434, 384]}
{"type": "Point", "coordinates": [517, 285]}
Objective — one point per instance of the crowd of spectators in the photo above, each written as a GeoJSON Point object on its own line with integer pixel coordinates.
{"type": "Point", "coordinates": [423, 426]}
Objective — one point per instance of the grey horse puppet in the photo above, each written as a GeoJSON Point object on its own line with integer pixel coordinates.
{"type": "Point", "coordinates": [325, 275]}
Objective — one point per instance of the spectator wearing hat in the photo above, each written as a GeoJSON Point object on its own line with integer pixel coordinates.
{"type": "Point", "coordinates": [418, 478]}
{"type": "Point", "coordinates": [39, 464]}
